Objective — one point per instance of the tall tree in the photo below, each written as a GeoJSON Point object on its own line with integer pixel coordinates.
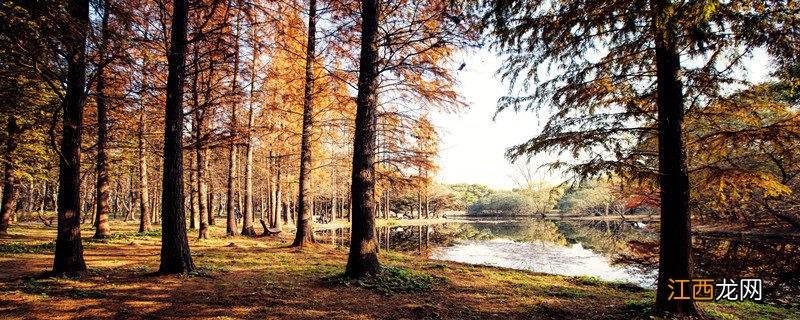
{"type": "Point", "coordinates": [233, 128]}
{"type": "Point", "coordinates": [305, 232]}
{"type": "Point", "coordinates": [675, 260]}
{"type": "Point", "coordinates": [144, 193]}
{"type": "Point", "coordinates": [69, 249]}
{"type": "Point", "coordinates": [202, 189]}
{"type": "Point", "coordinates": [619, 82]}
{"type": "Point", "coordinates": [247, 224]}
{"type": "Point", "coordinates": [363, 257]}
{"type": "Point", "coordinates": [175, 255]}
{"type": "Point", "coordinates": [9, 197]}
{"type": "Point", "coordinates": [102, 184]}
{"type": "Point", "coordinates": [145, 222]}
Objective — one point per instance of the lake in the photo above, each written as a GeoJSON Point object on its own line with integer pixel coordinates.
{"type": "Point", "coordinates": [625, 251]}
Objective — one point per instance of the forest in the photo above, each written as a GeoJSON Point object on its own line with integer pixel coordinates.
{"type": "Point", "coordinates": [281, 159]}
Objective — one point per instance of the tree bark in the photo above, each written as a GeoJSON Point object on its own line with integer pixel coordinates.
{"type": "Point", "coordinates": [145, 223]}
{"type": "Point", "coordinates": [193, 200]}
{"type": "Point", "coordinates": [275, 222]}
{"type": "Point", "coordinates": [201, 163]}
{"type": "Point", "coordinates": [144, 192]}
{"type": "Point", "coordinates": [305, 232]}
{"type": "Point", "coordinates": [675, 247]}
{"type": "Point", "coordinates": [334, 196]}
{"type": "Point", "coordinates": [232, 170]}
{"type": "Point", "coordinates": [202, 190]}
{"type": "Point", "coordinates": [68, 258]}
{"type": "Point", "coordinates": [247, 224]}
{"type": "Point", "coordinates": [9, 198]}
{"type": "Point", "coordinates": [175, 254]}
{"type": "Point", "coordinates": [363, 257]}
{"type": "Point", "coordinates": [102, 184]}
{"type": "Point", "coordinates": [230, 205]}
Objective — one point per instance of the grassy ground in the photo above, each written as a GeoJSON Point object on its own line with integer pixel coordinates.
{"type": "Point", "coordinates": [262, 278]}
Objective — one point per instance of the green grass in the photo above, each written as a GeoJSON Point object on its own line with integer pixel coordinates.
{"type": "Point", "coordinates": [27, 247]}
{"type": "Point", "coordinates": [208, 271]}
{"type": "Point", "coordinates": [127, 236]}
{"type": "Point", "coordinates": [391, 280]}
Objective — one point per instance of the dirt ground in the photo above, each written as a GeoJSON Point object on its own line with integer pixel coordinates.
{"type": "Point", "coordinates": [261, 278]}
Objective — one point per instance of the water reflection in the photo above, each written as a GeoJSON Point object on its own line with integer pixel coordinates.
{"type": "Point", "coordinates": [610, 250]}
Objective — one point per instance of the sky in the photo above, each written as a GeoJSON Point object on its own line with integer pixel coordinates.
{"type": "Point", "coordinates": [473, 145]}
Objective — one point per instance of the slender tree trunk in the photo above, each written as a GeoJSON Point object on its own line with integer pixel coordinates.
{"type": "Point", "coordinates": [69, 249]}
{"type": "Point", "coordinates": [201, 163]}
{"type": "Point", "coordinates": [675, 247]}
{"type": "Point", "coordinates": [202, 189]}
{"type": "Point", "coordinates": [277, 210]}
{"type": "Point", "coordinates": [427, 206]}
{"type": "Point", "coordinates": [419, 203]}
{"type": "Point", "coordinates": [333, 196]}
{"type": "Point", "coordinates": [9, 180]}
{"type": "Point", "coordinates": [230, 208]}
{"type": "Point", "coordinates": [129, 199]}
{"type": "Point", "coordinates": [247, 224]}
{"type": "Point", "coordinates": [193, 200]}
{"type": "Point", "coordinates": [144, 195]}
{"type": "Point", "coordinates": [363, 257]}
{"type": "Point", "coordinates": [305, 232]}
{"type": "Point", "coordinates": [232, 170]}
{"type": "Point", "coordinates": [44, 198]}
{"type": "Point", "coordinates": [211, 203]}
{"type": "Point", "coordinates": [388, 196]}
{"type": "Point", "coordinates": [270, 185]}
{"type": "Point", "coordinates": [101, 215]}
{"type": "Point", "coordinates": [175, 254]}
{"type": "Point", "coordinates": [194, 163]}
{"type": "Point", "coordinates": [285, 205]}
{"type": "Point", "coordinates": [145, 223]}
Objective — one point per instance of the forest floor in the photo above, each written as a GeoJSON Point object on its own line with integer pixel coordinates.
{"type": "Point", "coordinates": [261, 278]}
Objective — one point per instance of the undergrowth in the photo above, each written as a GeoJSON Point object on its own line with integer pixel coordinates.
{"type": "Point", "coordinates": [391, 280]}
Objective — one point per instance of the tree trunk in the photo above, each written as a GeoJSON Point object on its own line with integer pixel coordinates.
{"type": "Point", "coordinates": [69, 249]}
{"type": "Point", "coordinates": [211, 207]}
{"type": "Point", "coordinates": [274, 222]}
{"type": "Point", "coordinates": [419, 203]}
{"type": "Point", "coordinates": [305, 232]}
{"type": "Point", "coordinates": [202, 190]}
{"type": "Point", "coordinates": [363, 257]}
{"type": "Point", "coordinates": [193, 201]}
{"type": "Point", "coordinates": [388, 203]}
{"type": "Point", "coordinates": [145, 221]}
{"type": "Point", "coordinates": [230, 205]}
{"type": "Point", "coordinates": [102, 185]}
{"type": "Point", "coordinates": [247, 224]}
{"type": "Point", "coordinates": [201, 159]}
{"type": "Point", "coordinates": [9, 180]}
{"type": "Point", "coordinates": [144, 195]}
{"type": "Point", "coordinates": [333, 196]}
{"type": "Point", "coordinates": [175, 254]}
{"type": "Point", "coordinates": [129, 199]}
{"type": "Point", "coordinates": [675, 247]}
{"type": "Point", "coordinates": [232, 170]}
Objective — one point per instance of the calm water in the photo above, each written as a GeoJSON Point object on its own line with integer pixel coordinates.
{"type": "Point", "coordinates": [613, 250]}
{"type": "Point", "coordinates": [571, 260]}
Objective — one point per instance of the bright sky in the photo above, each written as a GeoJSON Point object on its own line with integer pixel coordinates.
{"type": "Point", "coordinates": [473, 145]}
